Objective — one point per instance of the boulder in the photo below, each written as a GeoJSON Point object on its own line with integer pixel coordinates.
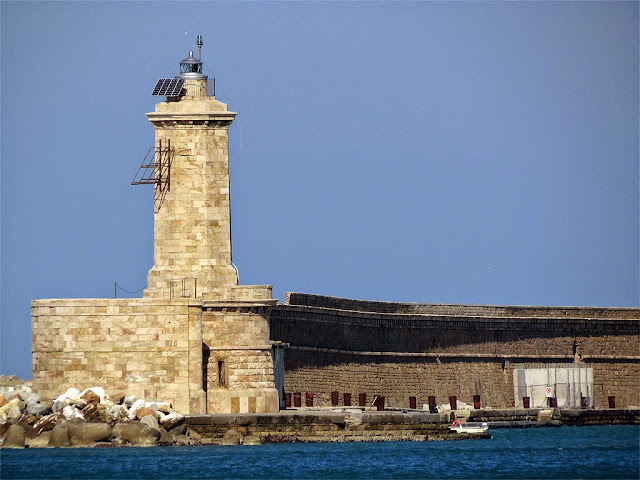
{"type": "Point", "coordinates": [159, 415]}
{"type": "Point", "coordinates": [111, 413]}
{"type": "Point", "coordinates": [60, 435]}
{"type": "Point", "coordinates": [179, 430]}
{"type": "Point", "coordinates": [41, 441]}
{"type": "Point", "coordinates": [69, 412]}
{"type": "Point", "coordinates": [28, 397]}
{"type": "Point", "coordinates": [150, 421]}
{"type": "Point", "coordinates": [90, 396]}
{"type": "Point", "coordinates": [136, 434]}
{"type": "Point", "coordinates": [81, 433]}
{"type": "Point", "coordinates": [90, 412]}
{"type": "Point", "coordinates": [67, 398]}
{"type": "Point", "coordinates": [165, 438]}
{"type": "Point", "coordinates": [172, 420]}
{"type": "Point", "coordinates": [79, 403]}
{"type": "Point", "coordinates": [134, 407]}
{"type": "Point", "coordinates": [130, 400]}
{"type": "Point", "coordinates": [28, 418]}
{"type": "Point", "coordinates": [143, 412]}
{"type": "Point", "coordinates": [48, 422]}
{"type": "Point", "coordinates": [164, 407]}
{"type": "Point", "coordinates": [41, 408]}
{"type": "Point", "coordinates": [29, 431]}
{"type": "Point", "coordinates": [58, 405]}
{"type": "Point", "coordinates": [232, 437]}
{"type": "Point", "coordinates": [3, 400]}
{"type": "Point", "coordinates": [70, 394]}
{"type": "Point", "coordinates": [118, 413]}
{"type": "Point", "coordinates": [14, 438]}
{"type": "Point", "coordinates": [10, 414]}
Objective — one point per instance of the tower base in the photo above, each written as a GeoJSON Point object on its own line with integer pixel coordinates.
{"type": "Point", "coordinates": [202, 356]}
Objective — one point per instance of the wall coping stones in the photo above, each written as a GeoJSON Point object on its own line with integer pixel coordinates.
{"type": "Point", "coordinates": [465, 310]}
{"type": "Point", "coordinates": [408, 320]}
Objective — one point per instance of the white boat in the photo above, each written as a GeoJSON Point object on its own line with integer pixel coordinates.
{"type": "Point", "coordinates": [458, 427]}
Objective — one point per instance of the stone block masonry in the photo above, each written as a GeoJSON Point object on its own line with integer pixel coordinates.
{"type": "Point", "coordinates": [145, 347]}
{"type": "Point", "coordinates": [400, 350]}
{"type": "Point", "coordinates": [165, 349]}
{"type": "Point", "coordinates": [192, 229]}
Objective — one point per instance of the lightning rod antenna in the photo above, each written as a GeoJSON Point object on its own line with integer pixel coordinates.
{"type": "Point", "coordinates": [199, 43]}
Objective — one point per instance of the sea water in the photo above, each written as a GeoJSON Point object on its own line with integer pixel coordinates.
{"type": "Point", "coordinates": [561, 452]}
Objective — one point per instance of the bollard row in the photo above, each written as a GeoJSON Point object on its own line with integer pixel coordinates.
{"type": "Point", "coordinates": [379, 401]}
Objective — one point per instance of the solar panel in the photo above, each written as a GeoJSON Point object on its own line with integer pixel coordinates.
{"type": "Point", "coordinates": [169, 87]}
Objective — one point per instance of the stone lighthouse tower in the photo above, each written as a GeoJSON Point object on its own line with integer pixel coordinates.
{"type": "Point", "coordinates": [196, 338]}
{"type": "Point", "coordinates": [192, 224]}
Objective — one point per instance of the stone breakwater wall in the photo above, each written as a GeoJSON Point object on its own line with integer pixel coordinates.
{"type": "Point", "coordinates": [399, 350]}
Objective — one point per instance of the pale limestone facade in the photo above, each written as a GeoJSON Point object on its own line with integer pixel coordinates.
{"type": "Point", "coordinates": [197, 338]}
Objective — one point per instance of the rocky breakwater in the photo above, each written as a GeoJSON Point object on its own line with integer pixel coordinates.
{"type": "Point", "coordinates": [87, 418]}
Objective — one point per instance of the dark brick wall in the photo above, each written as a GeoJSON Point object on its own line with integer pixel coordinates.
{"type": "Point", "coordinates": [448, 350]}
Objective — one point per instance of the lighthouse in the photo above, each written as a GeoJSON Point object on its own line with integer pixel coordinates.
{"type": "Point", "coordinates": [192, 222]}
{"type": "Point", "coordinates": [196, 338]}
{"type": "Point", "coordinates": [192, 242]}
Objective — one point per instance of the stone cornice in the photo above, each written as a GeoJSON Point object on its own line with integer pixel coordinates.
{"type": "Point", "coordinates": [465, 355]}
{"type": "Point", "coordinates": [182, 119]}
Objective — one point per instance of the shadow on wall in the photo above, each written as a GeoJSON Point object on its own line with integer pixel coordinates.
{"type": "Point", "coordinates": [481, 330]}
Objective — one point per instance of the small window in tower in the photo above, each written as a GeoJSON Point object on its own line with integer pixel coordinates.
{"type": "Point", "coordinates": [222, 374]}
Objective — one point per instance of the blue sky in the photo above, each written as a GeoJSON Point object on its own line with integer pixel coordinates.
{"type": "Point", "coordinates": [464, 152]}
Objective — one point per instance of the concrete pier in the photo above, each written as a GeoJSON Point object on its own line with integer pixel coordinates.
{"type": "Point", "coordinates": [327, 426]}
{"type": "Point", "coordinates": [356, 425]}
